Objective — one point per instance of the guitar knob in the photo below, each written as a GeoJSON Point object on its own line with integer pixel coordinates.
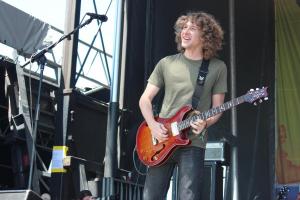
{"type": "Point", "coordinates": [260, 101]}
{"type": "Point", "coordinates": [266, 98]}
{"type": "Point", "coordinates": [255, 103]}
{"type": "Point", "coordinates": [251, 90]}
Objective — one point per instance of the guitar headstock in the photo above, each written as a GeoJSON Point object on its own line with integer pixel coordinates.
{"type": "Point", "coordinates": [259, 94]}
{"type": "Point", "coordinates": [283, 192]}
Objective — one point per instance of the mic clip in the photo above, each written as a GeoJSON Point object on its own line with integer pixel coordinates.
{"type": "Point", "coordinates": [102, 18]}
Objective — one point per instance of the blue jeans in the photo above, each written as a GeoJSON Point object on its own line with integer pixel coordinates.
{"type": "Point", "coordinates": [190, 162]}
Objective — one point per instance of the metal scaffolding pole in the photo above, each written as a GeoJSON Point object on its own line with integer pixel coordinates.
{"type": "Point", "coordinates": [112, 122]}
{"type": "Point", "coordinates": [110, 161]}
{"type": "Point", "coordinates": [234, 149]}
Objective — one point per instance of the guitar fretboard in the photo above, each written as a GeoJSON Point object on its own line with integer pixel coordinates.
{"type": "Point", "coordinates": [211, 112]}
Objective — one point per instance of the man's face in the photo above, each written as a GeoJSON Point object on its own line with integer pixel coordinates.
{"type": "Point", "coordinates": [191, 36]}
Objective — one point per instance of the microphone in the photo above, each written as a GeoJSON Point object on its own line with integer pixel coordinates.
{"type": "Point", "coordinates": [102, 18]}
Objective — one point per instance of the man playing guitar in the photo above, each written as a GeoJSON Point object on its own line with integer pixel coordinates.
{"type": "Point", "coordinates": [198, 36]}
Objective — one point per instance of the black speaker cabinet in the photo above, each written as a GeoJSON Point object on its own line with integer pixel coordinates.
{"type": "Point", "coordinates": [88, 126]}
{"type": "Point", "coordinates": [212, 186]}
{"type": "Point", "coordinates": [18, 195]}
{"type": "Point", "coordinates": [213, 181]}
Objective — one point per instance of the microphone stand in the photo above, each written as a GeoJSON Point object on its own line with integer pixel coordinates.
{"type": "Point", "coordinates": [41, 60]}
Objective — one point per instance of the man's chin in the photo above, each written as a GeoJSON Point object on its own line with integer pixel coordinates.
{"type": "Point", "coordinates": [184, 45]}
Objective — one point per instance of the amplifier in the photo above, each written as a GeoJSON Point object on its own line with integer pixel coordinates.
{"type": "Point", "coordinates": [216, 151]}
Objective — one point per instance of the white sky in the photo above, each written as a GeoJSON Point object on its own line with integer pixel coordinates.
{"type": "Point", "coordinates": [53, 13]}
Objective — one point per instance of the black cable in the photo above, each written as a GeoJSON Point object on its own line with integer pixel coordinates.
{"type": "Point", "coordinates": [134, 163]}
{"type": "Point", "coordinates": [138, 170]}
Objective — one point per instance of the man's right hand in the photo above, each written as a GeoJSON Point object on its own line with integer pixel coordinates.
{"type": "Point", "coordinates": [159, 131]}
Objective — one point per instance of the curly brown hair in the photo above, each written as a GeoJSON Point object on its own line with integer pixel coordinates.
{"type": "Point", "coordinates": [212, 32]}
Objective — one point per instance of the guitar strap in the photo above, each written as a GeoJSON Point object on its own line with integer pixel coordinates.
{"type": "Point", "coordinates": [203, 71]}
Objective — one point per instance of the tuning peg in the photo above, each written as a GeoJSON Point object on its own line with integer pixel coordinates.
{"type": "Point", "coordinates": [251, 90]}
{"type": "Point", "coordinates": [255, 103]}
{"type": "Point", "coordinates": [260, 101]}
{"type": "Point", "coordinates": [257, 89]}
{"type": "Point", "coordinates": [266, 98]}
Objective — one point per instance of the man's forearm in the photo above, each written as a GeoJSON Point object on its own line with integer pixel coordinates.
{"type": "Point", "coordinates": [146, 109]}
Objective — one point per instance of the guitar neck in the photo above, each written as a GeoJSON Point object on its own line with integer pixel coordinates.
{"type": "Point", "coordinates": [211, 112]}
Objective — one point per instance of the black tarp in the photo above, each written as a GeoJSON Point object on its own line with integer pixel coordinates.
{"type": "Point", "coordinates": [151, 37]}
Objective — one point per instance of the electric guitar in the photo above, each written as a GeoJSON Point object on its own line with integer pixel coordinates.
{"type": "Point", "coordinates": [151, 152]}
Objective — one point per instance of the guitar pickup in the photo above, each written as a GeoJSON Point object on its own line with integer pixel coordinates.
{"type": "Point", "coordinates": [174, 129]}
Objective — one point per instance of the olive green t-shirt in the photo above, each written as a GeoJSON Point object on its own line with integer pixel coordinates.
{"type": "Point", "coordinates": [177, 75]}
